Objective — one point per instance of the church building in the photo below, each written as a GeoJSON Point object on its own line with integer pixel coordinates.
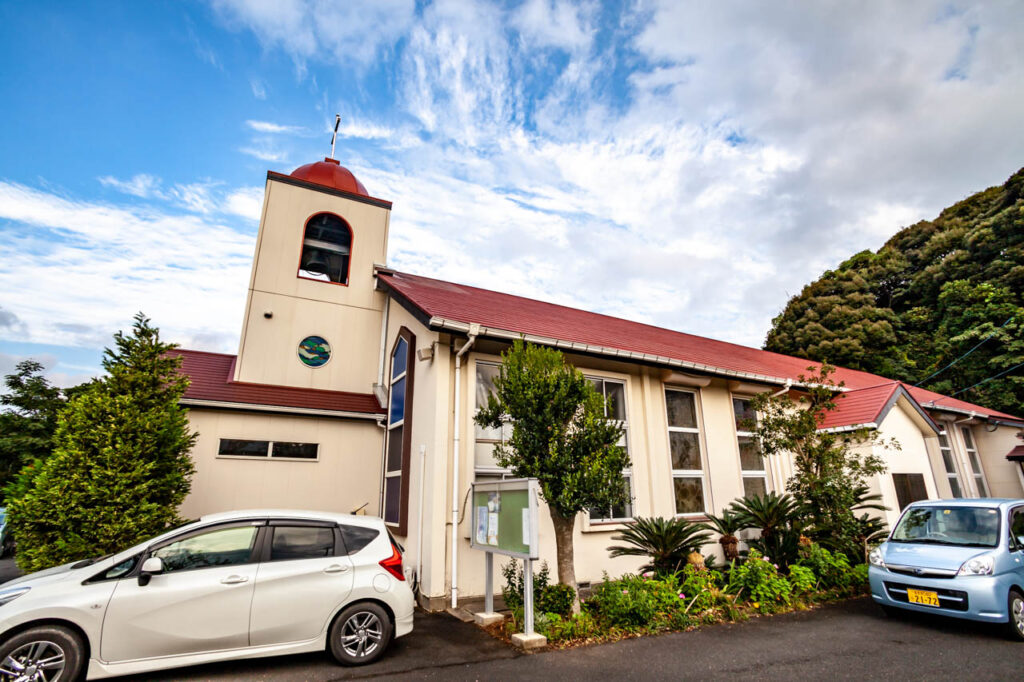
{"type": "Point", "coordinates": [354, 390]}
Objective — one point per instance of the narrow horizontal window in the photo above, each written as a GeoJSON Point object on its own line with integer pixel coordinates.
{"type": "Point", "coordinates": [235, 447]}
{"type": "Point", "coordinates": [243, 448]}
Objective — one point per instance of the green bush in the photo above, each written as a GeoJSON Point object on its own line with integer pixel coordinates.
{"type": "Point", "coordinates": [556, 599]}
{"type": "Point", "coordinates": [561, 629]}
{"type": "Point", "coordinates": [802, 579]}
{"type": "Point", "coordinates": [639, 604]}
{"type": "Point", "coordinates": [121, 464]}
{"type": "Point", "coordinates": [832, 568]}
{"type": "Point", "coordinates": [512, 592]}
{"type": "Point", "coordinates": [758, 580]}
{"type": "Point", "coordinates": [666, 543]}
{"type": "Point", "coordinates": [859, 577]}
{"type": "Point", "coordinates": [701, 588]}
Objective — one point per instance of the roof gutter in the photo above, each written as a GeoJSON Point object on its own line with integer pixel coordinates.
{"type": "Point", "coordinates": [280, 409]}
{"type": "Point", "coordinates": [440, 323]}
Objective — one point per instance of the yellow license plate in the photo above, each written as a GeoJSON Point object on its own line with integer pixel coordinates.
{"type": "Point", "coordinates": [923, 597]}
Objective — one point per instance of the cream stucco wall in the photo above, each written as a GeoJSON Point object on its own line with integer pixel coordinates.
{"type": "Point", "coordinates": [347, 316]}
{"type": "Point", "coordinates": [1003, 476]}
{"type": "Point", "coordinates": [345, 476]}
{"type": "Point", "coordinates": [903, 426]}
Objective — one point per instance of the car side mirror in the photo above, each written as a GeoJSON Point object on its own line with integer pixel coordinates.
{"type": "Point", "coordinates": [154, 565]}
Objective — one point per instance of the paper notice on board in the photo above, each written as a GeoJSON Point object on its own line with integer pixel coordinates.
{"type": "Point", "coordinates": [526, 527]}
{"type": "Point", "coordinates": [481, 525]}
{"type": "Point", "coordinates": [492, 529]}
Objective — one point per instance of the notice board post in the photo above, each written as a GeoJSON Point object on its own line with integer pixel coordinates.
{"type": "Point", "coordinates": [505, 521]}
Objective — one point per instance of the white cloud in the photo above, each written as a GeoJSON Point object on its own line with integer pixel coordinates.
{"type": "Point", "coordinates": [77, 271]}
{"type": "Point", "coordinates": [264, 154]}
{"type": "Point", "coordinates": [258, 87]}
{"type": "Point", "coordinates": [197, 196]}
{"type": "Point", "coordinates": [274, 128]}
{"type": "Point", "coordinates": [246, 202]}
{"type": "Point", "coordinates": [141, 185]}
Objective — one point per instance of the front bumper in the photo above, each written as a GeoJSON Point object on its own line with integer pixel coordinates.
{"type": "Point", "coordinates": [982, 598]}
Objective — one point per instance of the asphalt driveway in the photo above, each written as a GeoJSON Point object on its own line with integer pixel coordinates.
{"type": "Point", "coordinates": [849, 640]}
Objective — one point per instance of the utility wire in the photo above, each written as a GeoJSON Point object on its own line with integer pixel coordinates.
{"type": "Point", "coordinates": [965, 354]}
{"type": "Point", "coordinates": [989, 379]}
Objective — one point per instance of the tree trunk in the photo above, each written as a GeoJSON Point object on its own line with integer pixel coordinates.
{"type": "Point", "coordinates": [564, 528]}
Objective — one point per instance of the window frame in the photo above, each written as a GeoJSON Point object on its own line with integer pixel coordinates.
{"type": "Point", "coordinates": [627, 471]}
{"type": "Point", "coordinates": [494, 472]}
{"type": "Point", "coordinates": [764, 473]}
{"type": "Point", "coordinates": [401, 526]}
{"type": "Point", "coordinates": [266, 553]}
{"type": "Point", "coordinates": [270, 452]}
{"type": "Point", "coordinates": [974, 461]}
{"type": "Point", "coordinates": [947, 449]}
{"type": "Point", "coordinates": [255, 553]}
{"type": "Point", "coordinates": [351, 249]}
{"type": "Point", "coordinates": [701, 474]}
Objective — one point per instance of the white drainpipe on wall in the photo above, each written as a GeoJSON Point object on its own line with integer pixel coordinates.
{"type": "Point", "coordinates": [474, 329]}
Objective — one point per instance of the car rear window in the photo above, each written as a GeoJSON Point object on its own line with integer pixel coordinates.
{"type": "Point", "coordinates": [954, 525]}
{"type": "Point", "coordinates": [357, 537]}
{"type": "Point", "coordinates": [301, 542]}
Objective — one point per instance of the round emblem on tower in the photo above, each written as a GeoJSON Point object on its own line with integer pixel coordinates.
{"type": "Point", "coordinates": [314, 351]}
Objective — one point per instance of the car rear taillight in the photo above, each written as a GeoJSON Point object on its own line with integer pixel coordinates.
{"type": "Point", "coordinates": [393, 564]}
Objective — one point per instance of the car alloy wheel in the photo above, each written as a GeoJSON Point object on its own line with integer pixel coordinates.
{"type": "Point", "coordinates": [36, 661]}
{"type": "Point", "coordinates": [362, 634]}
{"type": "Point", "coordinates": [1016, 614]}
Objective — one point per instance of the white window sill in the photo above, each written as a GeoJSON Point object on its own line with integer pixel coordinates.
{"type": "Point", "coordinates": [267, 459]}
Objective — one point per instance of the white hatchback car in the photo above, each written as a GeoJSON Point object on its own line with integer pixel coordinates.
{"type": "Point", "coordinates": [232, 585]}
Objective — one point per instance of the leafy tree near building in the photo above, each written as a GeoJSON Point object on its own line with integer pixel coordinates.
{"type": "Point", "coordinates": [925, 299]}
{"type": "Point", "coordinates": [28, 420]}
{"type": "Point", "coordinates": [830, 469]}
{"type": "Point", "coordinates": [121, 464]}
{"type": "Point", "coordinates": [560, 436]}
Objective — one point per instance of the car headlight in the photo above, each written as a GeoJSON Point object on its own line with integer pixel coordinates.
{"type": "Point", "coordinates": [979, 565]}
{"type": "Point", "coordinates": [8, 596]}
{"type": "Point", "coordinates": [875, 557]}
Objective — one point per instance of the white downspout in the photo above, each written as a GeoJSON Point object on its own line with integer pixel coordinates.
{"type": "Point", "coordinates": [419, 523]}
{"type": "Point", "coordinates": [474, 329]}
{"type": "Point", "coordinates": [789, 385]}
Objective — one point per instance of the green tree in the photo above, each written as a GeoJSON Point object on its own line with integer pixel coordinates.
{"type": "Point", "coordinates": [560, 436]}
{"type": "Point", "coordinates": [121, 463]}
{"type": "Point", "coordinates": [925, 299]}
{"type": "Point", "coordinates": [830, 468]}
{"type": "Point", "coordinates": [28, 419]}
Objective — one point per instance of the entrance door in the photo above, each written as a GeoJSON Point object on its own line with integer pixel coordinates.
{"type": "Point", "coordinates": [199, 603]}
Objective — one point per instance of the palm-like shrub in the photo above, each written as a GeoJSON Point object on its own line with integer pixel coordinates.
{"type": "Point", "coordinates": [727, 525]}
{"type": "Point", "coordinates": [780, 519]}
{"type": "Point", "coordinates": [666, 542]}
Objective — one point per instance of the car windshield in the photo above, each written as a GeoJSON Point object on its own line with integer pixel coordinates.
{"type": "Point", "coordinates": [965, 526]}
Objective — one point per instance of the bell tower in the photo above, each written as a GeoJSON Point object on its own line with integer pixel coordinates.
{"type": "Point", "coordinates": [312, 316]}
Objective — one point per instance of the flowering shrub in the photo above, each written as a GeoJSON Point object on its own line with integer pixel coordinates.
{"type": "Point", "coordinates": [758, 580]}
{"type": "Point", "coordinates": [802, 579]}
{"type": "Point", "coordinates": [701, 588]}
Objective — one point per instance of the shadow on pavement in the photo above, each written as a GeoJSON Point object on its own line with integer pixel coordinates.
{"type": "Point", "coordinates": [437, 640]}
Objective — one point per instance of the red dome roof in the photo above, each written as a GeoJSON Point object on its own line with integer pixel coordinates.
{"type": "Point", "coordinates": [330, 173]}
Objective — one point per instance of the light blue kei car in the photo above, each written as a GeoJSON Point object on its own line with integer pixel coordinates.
{"type": "Point", "coordinates": [958, 558]}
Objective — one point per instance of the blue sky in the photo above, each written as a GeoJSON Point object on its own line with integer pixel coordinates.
{"type": "Point", "coordinates": [681, 164]}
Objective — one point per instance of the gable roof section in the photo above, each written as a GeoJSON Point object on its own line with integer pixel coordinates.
{"type": "Point", "coordinates": [453, 307]}
{"type": "Point", "coordinates": [868, 407]}
{"type": "Point", "coordinates": [213, 386]}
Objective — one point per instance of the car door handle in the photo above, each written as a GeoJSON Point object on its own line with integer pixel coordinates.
{"type": "Point", "coordinates": [234, 579]}
{"type": "Point", "coordinates": [336, 568]}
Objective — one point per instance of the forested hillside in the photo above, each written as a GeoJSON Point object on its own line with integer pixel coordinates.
{"type": "Point", "coordinates": [935, 290]}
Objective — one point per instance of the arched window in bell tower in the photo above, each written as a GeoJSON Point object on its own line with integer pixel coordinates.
{"type": "Point", "coordinates": [326, 247]}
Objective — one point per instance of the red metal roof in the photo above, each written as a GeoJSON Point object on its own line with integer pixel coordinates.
{"type": "Point", "coordinates": [330, 173]}
{"type": "Point", "coordinates": [211, 375]}
{"type": "Point", "coordinates": [861, 406]}
{"type": "Point", "coordinates": [1017, 454]}
{"type": "Point", "coordinates": [466, 304]}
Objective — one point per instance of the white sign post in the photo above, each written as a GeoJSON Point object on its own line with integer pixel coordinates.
{"type": "Point", "coordinates": [505, 522]}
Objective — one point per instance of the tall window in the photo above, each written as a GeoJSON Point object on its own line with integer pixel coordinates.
{"type": "Point", "coordinates": [326, 247]}
{"type": "Point", "coordinates": [614, 393]}
{"type": "Point", "coordinates": [684, 447]}
{"type": "Point", "coordinates": [399, 438]}
{"type": "Point", "coordinates": [972, 456]}
{"type": "Point", "coordinates": [950, 465]}
{"type": "Point", "coordinates": [752, 466]}
{"type": "Point", "coordinates": [486, 438]}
